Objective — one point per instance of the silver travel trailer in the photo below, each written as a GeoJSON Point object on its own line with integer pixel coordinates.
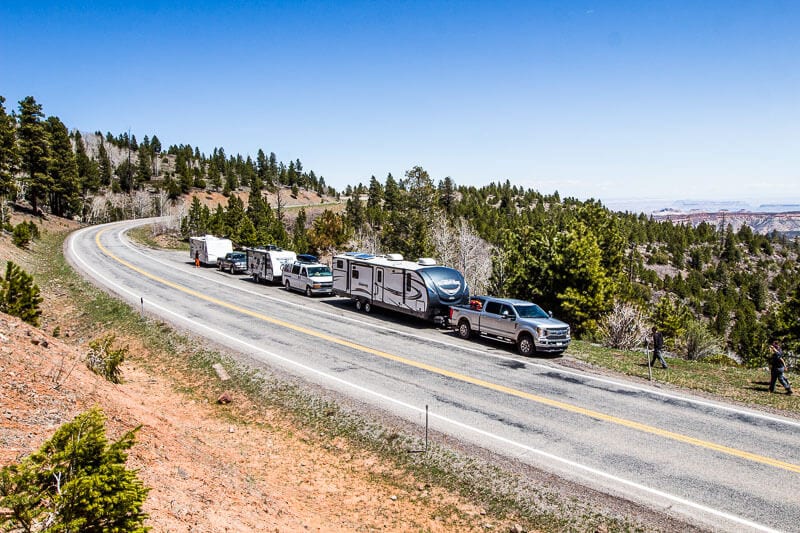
{"type": "Point", "coordinates": [422, 289]}
{"type": "Point", "coordinates": [267, 263]}
{"type": "Point", "coordinates": [209, 248]}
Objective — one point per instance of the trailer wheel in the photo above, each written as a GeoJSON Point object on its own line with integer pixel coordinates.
{"type": "Point", "coordinates": [525, 345]}
{"type": "Point", "coordinates": [367, 307]}
{"type": "Point", "coordinates": [359, 305]}
{"type": "Point", "coordinates": [308, 291]}
{"type": "Point", "coordinates": [464, 329]}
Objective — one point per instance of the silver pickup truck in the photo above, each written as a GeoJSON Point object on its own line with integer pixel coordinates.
{"type": "Point", "coordinates": [523, 323]}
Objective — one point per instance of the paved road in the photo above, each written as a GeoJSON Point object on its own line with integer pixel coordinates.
{"type": "Point", "coordinates": [713, 465]}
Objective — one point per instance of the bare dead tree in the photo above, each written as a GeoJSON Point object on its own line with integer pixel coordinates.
{"type": "Point", "coordinates": [624, 328]}
{"type": "Point", "coordinates": [366, 240]}
{"type": "Point", "coordinates": [461, 248]}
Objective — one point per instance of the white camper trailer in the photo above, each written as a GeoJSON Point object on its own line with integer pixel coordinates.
{"type": "Point", "coordinates": [208, 248]}
{"type": "Point", "coordinates": [422, 289]}
{"type": "Point", "coordinates": [267, 263]}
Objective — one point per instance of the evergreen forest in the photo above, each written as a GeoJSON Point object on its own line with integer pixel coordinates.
{"type": "Point", "coordinates": [715, 291]}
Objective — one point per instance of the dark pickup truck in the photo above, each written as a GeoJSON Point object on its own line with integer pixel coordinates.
{"type": "Point", "coordinates": [233, 262]}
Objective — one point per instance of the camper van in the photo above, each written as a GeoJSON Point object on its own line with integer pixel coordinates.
{"type": "Point", "coordinates": [422, 289]}
{"type": "Point", "coordinates": [209, 248]}
{"type": "Point", "coordinates": [266, 264]}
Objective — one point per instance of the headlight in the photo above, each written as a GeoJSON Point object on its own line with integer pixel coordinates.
{"type": "Point", "coordinates": [541, 332]}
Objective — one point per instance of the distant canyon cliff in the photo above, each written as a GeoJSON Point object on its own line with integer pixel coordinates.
{"type": "Point", "coordinates": [787, 223]}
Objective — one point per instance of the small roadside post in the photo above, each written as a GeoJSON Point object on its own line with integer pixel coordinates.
{"type": "Point", "coordinates": [647, 356]}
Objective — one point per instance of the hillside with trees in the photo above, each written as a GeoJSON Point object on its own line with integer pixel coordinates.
{"type": "Point", "coordinates": [712, 290]}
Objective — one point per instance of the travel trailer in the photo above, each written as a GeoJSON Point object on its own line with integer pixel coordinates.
{"type": "Point", "coordinates": [422, 289]}
{"type": "Point", "coordinates": [266, 264]}
{"type": "Point", "coordinates": [209, 248]}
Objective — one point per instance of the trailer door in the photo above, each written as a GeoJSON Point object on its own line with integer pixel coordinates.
{"type": "Point", "coordinates": [361, 281]}
{"type": "Point", "coordinates": [377, 287]}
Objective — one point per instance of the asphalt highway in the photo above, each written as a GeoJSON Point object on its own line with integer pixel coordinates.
{"type": "Point", "coordinates": [711, 464]}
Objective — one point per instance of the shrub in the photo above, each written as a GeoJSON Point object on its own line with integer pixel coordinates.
{"type": "Point", "coordinates": [623, 328]}
{"type": "Point", "coordinates": [720, 359]}
{"type": "Point", "coordinates": [105, 360]}
{"type": "Point", "coordinates": [698, 342]}
{"type": "Point", "coordinates": [21, 235]}
{"type": "Point", "coordinates": [19, 295]}
{"type": "Point", "coordinates": [75, 482]}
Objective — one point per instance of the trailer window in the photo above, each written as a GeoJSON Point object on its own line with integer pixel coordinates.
{"type": "Point", "coordinates": [380, 276]}
{"type": "Point", "coordinates": [339, 263]}
{"type": "Point", "coordinates": [355, 274]}
{"type": "Point", "coordinates": [408, 282]}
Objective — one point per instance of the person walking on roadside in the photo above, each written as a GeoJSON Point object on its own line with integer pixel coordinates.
{"type": "Point", "coordinates": [197, 259]}
{"type": "Point", "coordinates": [658, 345]}
{"type": "Point", "coordinates": [777, 367]}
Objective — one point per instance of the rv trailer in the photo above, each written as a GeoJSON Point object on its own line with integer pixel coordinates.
{"type": "Point", "coordinates": [267, 263]}
{"type": "Point", "coordinates": [209, 248]}
{"type": "Point", "coordinates": [422, 289]}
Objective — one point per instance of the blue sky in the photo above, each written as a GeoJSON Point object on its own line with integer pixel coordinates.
{"type": "Point", "coordinates": [675, 100]}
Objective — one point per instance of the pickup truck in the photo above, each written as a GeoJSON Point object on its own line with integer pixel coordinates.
{"type": "Point", "coordinates": [523, 323]}
{"type": "Point", "coordinates": [233, 262]}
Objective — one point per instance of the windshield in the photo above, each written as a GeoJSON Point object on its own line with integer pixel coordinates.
{"type": "Point", "coordinates": [530, 311]}
{"type": "Point", "coordinates": [239, 257]}
{"type": "Point", "coordinates": [319, 271]}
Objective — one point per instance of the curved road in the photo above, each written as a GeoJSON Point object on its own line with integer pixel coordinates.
{"type": "Point", "coordinates": [710, 464]}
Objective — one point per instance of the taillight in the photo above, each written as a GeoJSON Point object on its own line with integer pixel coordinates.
{"type": "Point", "coordinates": [450, 313]}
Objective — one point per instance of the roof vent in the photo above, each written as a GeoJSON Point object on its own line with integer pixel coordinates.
{"type": "Point", "coordinates": [394, 257]}
{"type": "Point", "coordinates": [426, 261]}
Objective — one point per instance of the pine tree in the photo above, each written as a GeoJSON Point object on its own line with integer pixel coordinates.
{"type": "Point", "coordinates": [88, 173]}
{"type": "Point", "coordinates": [19, 295]}
{"type": "Point", "coordinates": [76, 481]}
{"type": "Point", "coordinates": [104, 167]}
{"type": "Point", "coordinates": [299, 234]}
{"type": "Point", "coordinates": [9, 156]}
{"type": "Point", "coordinates": [62, 168]}
{"type": "Point", "coordinates": [34, 150]}
{"type": "Point", "coordinates": [143, 166]}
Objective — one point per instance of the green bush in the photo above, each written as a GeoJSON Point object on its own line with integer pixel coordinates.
{"type": "Point", "coordinates": [699, 343]}
{"type": "Point", "coordinates": [76, 481]}
{"type": "Point", "coordinates": [720, 360]}
{"type": "Point", "coordinates": [105, 360]}
{"type": "Point", "coordinates": [19, 295]}
{"type": "Point", "coordinates": [21, 235]}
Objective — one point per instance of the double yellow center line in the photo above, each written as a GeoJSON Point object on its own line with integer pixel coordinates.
{"type": "Point", "coordinates": [462, 377]}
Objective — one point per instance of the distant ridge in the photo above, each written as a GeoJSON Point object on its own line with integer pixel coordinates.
{"type": "Point", "coordinates": [763, 218]}
{"type": "Point", "coordinates": [787, 223]}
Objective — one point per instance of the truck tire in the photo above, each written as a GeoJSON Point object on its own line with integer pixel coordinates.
{"type": "Point", "coordinates": [464, 329]}
{"type": "Point", "coordinates": [308, 291]}
{"type": "Point", "coordinates": [231, 270]}
{"type": "Point", "coordinates": [288, 285]}
{"type": "Point", "coordinates": [359, 305]}
{"type": "Point", "coordinates": [525, 345]}
{"type": "Point", "coordinates": [367, 307]}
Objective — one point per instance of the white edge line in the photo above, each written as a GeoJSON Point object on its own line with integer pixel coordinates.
{"type": "Point", "coordinates": [589, 377]}
{"type": "Point", "coordinates": [536, 451]}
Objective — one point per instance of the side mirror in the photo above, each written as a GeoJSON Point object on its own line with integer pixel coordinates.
{"type": "Point", "coordinates": [550, 313]}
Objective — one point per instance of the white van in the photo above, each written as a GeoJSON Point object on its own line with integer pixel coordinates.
{"type": "Point", "coordinates": [310, 278]}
